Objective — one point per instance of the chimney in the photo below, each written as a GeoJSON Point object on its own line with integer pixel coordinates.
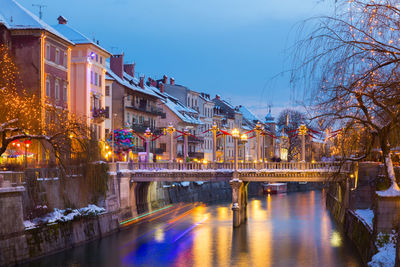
{"type": "Point", "coordinates": [171, 81]}
{"type": "Point", "coordinates": [141, 82]}
{"type": "Point", "coordinates": [161, 87]}
{"type": "Point", "coordinates": [165, 79]}
{"type": "Point", "coordinates": [218, 97]}
{"type": "Point", "coordinates": [130, 69]}
{"type": "Point", "coordinates": [62, 20]}
{"type": "Point", "coordinates": [117, 65]}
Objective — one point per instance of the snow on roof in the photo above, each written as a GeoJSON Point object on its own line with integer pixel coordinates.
{"type": "Point", "coordinates": [180, 110]}
{"type": "Point", "coordinates": [75, 36]}
{"type": "Point", "coordinates": [248, 115]}
{"type": "Point", "coordinates": [131, 85]}
{"type": "Point", "coordinates": [16, 17]}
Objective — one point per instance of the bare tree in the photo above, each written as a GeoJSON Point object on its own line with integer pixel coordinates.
{"type": "Point", "coordinates": [349, 65]}
{"type": "Point", "coordinates": [288, 122]}
{"type": "Point", "coordinates": [24, 116]}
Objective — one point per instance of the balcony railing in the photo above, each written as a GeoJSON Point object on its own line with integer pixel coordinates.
{"type": "Point", "coordinates": [147, 108]}
{"type": "Point", "coordinates": [99, 114]}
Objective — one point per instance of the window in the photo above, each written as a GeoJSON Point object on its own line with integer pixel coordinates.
{"type": "Point", "coordinates": [107, 90]}
{"type": "Point", "coordinates": [128, 97]}
{"type": "Point", "coordinates": [106, 132]}
{"type": "Point", "coordinates": [95, 78]}
{"type": "Point", "coordinates": [57, 56]}
{"type": "Point", "coordinates": [107, 112]}
{"type": "Point", "coordinates": [91, 77]}
{"type": "Point", "coordinates": [48, 89]}
{"type": "Point", "coordinates": [48, 52]}
{"type": "Point", "coordinates": [65, 60]}
{"type": "Point", "coordinates": [101, 60]}
{"type": "Point", "coordinates": [128, 118]}
{"type": "Point", "coordinates": [65, 93]}
{"type": "Point", "coordinates": [57, 90]}
{"type": "Point", "coordinates": [99, 80]}
{"type": "Point", "coordinates": [97, 58]}
{"type": "Point", "coordinates": [99, 131]}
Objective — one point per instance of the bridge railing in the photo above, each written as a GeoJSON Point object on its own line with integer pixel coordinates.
{"type": "Point", "coordinates": [262, 166]}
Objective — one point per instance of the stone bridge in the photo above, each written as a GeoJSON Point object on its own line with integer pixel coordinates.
{"type": "Point", "coordinates": [238, 176]}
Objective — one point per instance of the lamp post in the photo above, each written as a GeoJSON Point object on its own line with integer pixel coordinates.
{"type": "Point", "coordinates": [258, 130]}
{"type": "Point", "coordinates": [112, 135]}
{"type": "Point", "coordinates": [185, 144]}
{"type": "Point", "coordinates": [214, 130]}
{"type": "Point", "coordinates": [263, 146]}
{"type": "Point", "coordinates": [243, 138]}
{"type": "Point", "coordinates": [235, 135]}
{"type": "Point", "coordinates": [147, 135]}
{"type": "Point", "coordinates": [303, 131]}
{"type": "Point", "coordinates": [27, 144]}
{"type": "Point", "coordinates": [171, 130]}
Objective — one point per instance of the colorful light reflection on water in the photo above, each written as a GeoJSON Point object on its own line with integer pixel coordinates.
{"type": "Point", "coordinates": [286, 230]}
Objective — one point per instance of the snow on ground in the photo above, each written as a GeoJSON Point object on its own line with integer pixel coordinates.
{"type": "Point", "coordinates": [367, 215]}
{"type": "Point", "coordinates": [29, 225]}
{"type": "Point", "coordinates": [393, 191]}
{"type": "Point", "coordinates": [64, 215]}
{"type": "Point", "coordinates": [386, 254]}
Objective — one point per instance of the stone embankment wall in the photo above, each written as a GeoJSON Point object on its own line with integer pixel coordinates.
{"type": "Point", "coordinates": [342, 201]}
{"type": "Point", "coordinates": [358, 232]}
{"type": "Point", "coordinates": [52, 238]}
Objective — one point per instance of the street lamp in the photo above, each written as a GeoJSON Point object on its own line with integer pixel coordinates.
{"type": "Point", "coordinates": [214, 130]}
{"type": "Point", "coordinates": [258, 130]}
{"type": "Point", "coordinates": [303, 131]}
{"type": "Point", "coordinates": [170, 129]}
{"type": "Point", "coordinates": [235, 135]}
{"type": "Point", "coordinates": [147, 135]}
{"type": "Point", "coordinates": [244, 138]}
{"type": "Point", "coordinates": [112, 135]}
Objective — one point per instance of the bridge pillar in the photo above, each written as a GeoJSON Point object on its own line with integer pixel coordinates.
{"type": "Point", "coordinates": [239, 201]}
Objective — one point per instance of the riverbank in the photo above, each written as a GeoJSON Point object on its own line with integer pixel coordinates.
{"type": "Point", "coordinates": [354, 227]}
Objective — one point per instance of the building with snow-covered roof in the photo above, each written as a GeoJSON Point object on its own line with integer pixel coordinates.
{"type": "Point", "coordinates": [230, 118]}
{"type": "Point", "coordinates": [42, 55]}
{"type": "Point", "coordinates": [134, 105]}
{"type": "Point", "coordinates": [181, 117]}
{"type": "Point", "coordinates": [206, 106]}
{"type": "Point", "coordinates": [88, 69]}
{"type": "Point", "coordinates": [193, 100]}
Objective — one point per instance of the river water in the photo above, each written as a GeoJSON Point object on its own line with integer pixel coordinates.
{"type": "Point", "coordinates": [281, 230]}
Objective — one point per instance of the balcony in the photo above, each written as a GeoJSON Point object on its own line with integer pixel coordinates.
{"type": "Point", "coordinates": [98, 114]}
{"type": "Point", "coordinates": [156, 111]}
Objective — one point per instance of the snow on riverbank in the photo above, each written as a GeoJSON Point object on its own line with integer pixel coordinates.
{"type": "Point", "coordinates": [367, 215]}
{"type": "Point", "coordinates": [386, 254]}
{"type": "Point", "coordinates": [64, 215]}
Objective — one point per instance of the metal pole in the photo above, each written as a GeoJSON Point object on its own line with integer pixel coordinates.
{"type": "Point", "coordinates": [214, 156]}
{"type": "Point", "coordinates": [244, 152]}
{"type": "Point", "coordinates": [26, 154]}
{"type": "Point", "coordinates": [258, 146]}
{"type": "Point", "coordinates": [236, 154]}
{"type": "Point", "coordinates": [185, 145]}
{"type": "Point", "coordinates": [263, 148]}
{"type": "Point", "coordinates": [112, 137]}
{"type": "Point", "coordinates": [303, 140]}
{"type": "Point", "coordinates": [147, 150]}
{"type": "Point", "coordinates": [224, 148]}
{"type": "Point", "coordinates": [171, 147]}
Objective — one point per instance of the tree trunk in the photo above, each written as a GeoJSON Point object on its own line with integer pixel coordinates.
{"type": "Point", "coordinates": [389, 170]}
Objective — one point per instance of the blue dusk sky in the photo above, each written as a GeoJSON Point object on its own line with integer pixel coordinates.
{"type": "Point", "coordinates": [233, 48]}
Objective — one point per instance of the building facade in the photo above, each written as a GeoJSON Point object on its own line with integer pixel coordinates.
{"type": "Point", "coordinates": [88, 69]}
